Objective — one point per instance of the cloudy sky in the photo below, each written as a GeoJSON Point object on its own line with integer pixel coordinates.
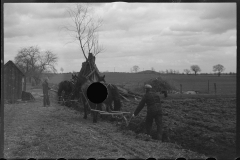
{"type": "Point", "coordinates": [159, 35]}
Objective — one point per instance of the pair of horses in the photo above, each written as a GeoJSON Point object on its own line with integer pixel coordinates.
{"type": "Point", "coordinates": [77, 88]}
{"type": "Point", "coordinates": [113, 96]}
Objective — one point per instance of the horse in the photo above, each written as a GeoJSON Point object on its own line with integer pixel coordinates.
{"type": "Point", "coordinates": [65, 89]}
{"type": "Point", "coordinates": [113, 96]}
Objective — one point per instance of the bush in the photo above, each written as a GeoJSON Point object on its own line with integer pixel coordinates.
{"type": "Point", "coordinates": [160, 84]}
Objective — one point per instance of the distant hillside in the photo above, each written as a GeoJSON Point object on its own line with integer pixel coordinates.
{"type": "Point", "coordinates": [148, 72]}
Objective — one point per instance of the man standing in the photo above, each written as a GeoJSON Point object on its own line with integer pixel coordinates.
{"type": "Point", "coordinates": [154, 111]}
{"type": "Point", "coordinates": [45, 93]}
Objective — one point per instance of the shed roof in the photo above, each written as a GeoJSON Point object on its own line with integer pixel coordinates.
{"type": "Point", "coordinates": [11, 63]}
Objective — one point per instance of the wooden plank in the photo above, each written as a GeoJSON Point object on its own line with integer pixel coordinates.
{"type": "Point", "coordinates": [120, 112]}
{"type": "Point", "coordinates": [112, 112]}
{"type": "Point", "coordinates": [98, 110]}
{"type": "Point", "coordinates": [107, 113]}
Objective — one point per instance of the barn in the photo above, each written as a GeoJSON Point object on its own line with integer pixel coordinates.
{"type": "Point", "coordinates": [13, 82]}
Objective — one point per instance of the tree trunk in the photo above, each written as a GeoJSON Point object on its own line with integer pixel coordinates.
{"type": "Point", "coordinates": [218, 74]}
{"type": "Point", "coordinates": [37, 80]}
{"type": "Point", "coordinates": [195, 73]}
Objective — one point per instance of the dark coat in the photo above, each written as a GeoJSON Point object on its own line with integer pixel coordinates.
{"type": "Point", "coordinates": [153, 103]}
{"type": "Point", "coordinates": [45, 87]}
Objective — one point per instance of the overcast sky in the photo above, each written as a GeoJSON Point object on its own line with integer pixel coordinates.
{"type": "Point", "coordinates": [159, 35]}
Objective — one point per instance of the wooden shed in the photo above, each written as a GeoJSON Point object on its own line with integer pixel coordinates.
{"type": "Point", "coordinates": [13, 82]}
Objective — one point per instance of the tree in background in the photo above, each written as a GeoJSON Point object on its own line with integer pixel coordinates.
{"type": "Point", "coordinates": [152, 69]}
{"type": "Point", "coordinates": [61, 69]}
{"type": "Point", "coordinates": [167, 71]}
{"type": "Point", "coordinates": [187, 71]}
{"type": "Point", "coordinates": [218, 68]}
{"type": "Point", "coordinates": [84, 29]}
{"type": "Point", "coordinates": [135, 69]}
{"type": "Point", "coordinates": [33, 62]}
{"type": "Point", "coordinates": [195, 69]}
{"type": "Point", "coordinates": [162, 72]}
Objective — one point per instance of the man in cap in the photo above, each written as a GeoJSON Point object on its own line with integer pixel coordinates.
{"type": "Point", "coordinates": [154, 111]}
{"type": "Point", "coordinates": [45, 92]}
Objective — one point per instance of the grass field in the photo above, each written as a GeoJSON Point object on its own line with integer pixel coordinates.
{"type": "Point", "coordinates": [33, 131]}
{"type": "Point", "coordinates": [226, 85]}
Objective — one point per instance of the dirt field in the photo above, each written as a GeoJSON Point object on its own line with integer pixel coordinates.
{"type": "Point", "coordinates": [204, 125]}
{"type": "Point", "coordinates": [33, 131]}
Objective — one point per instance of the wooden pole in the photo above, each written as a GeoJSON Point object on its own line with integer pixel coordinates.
{"type": "Point", "coordinates": [125, 98]}
{"type": "Point", "coordinates": [95, 110]}
{"type": "Point", "coordinates": [106, 113]}
{"type": "Point", "coordinates": [120, 112]}
{"type": "Point", "coordinates": [215, 88]}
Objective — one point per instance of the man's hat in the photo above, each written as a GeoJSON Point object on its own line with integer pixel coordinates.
{"type": "Point", "coordinates": [148, 86]}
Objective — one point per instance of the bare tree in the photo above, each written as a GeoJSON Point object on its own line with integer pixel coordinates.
{"type": "Point", "coordinates": [167, 71]}
{"type": "Point", "coordinates": [135, 68]}
{"type": "Point", "coordinates": [187, 71]}
{"type": "Point", "coordinates": [84, 29]}
{"type": "Point", "coordinates": [61, 69]}
{"type": "Point", "coordinates": [218, 68]}
{"type": "Point", "coordinates": [195, 69]}
{"type": "Point", "coordinates": [33, 63]}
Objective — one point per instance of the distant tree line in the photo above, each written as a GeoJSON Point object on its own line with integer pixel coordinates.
{"type": "Point", "coordinates": [195, 69]}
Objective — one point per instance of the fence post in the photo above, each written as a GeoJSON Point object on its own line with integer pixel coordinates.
{"type": "Point", "coordinates": [215, 88]}
{"type": "Point", "coordinates": [181, 88]}
{"type": "Point", "coordinates": [208, 86]}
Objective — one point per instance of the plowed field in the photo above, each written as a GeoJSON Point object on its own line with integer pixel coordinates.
{"type": "Point", "coordinates": [205, 125]}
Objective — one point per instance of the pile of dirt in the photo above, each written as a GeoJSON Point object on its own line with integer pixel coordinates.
{"type": "Point", "coordinates": [159, 84]}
